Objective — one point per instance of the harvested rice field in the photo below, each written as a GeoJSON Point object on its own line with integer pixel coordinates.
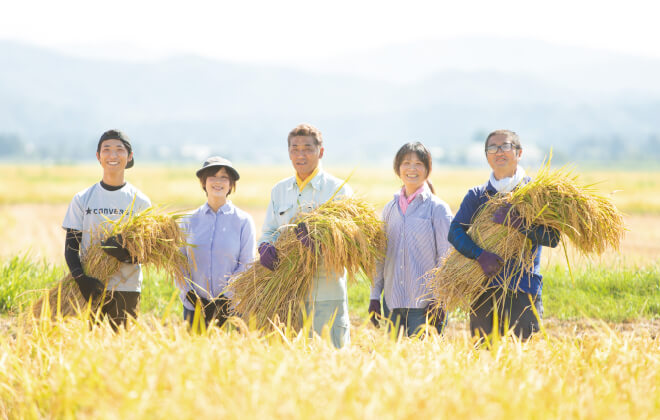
{"type": "Point", "coordinates": [597, 357]}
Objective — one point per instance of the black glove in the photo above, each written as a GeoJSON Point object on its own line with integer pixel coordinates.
{"type": "Point", "coordinates": [374, 311]}
{"type": "Point", "coordinates": [112, 246]}
{"type": "Point", "coordinates": [436, 316]}
{"type": "Point", "coordinates": [90, 287]}
{"type": "Point", "coordinates": [221, 305]}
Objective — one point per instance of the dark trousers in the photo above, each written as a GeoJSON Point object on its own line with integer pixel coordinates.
{"type": "Point", "coordinates": [513, 310]}
{"type": "Point", "coordinates": [412, 320]}
{"type": "Point", "coordinates": [118, 306]}
{"type": "Point", "coordinates": [217, 310]}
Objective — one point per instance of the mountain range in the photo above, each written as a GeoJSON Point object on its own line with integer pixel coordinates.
{"type": "Point", "coordinates": [447, 94]}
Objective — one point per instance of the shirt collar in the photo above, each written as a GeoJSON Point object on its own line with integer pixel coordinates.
{"type": "Point", "coordinates": [315, 182]}
{"type": "Point", "coordinates": [228, 208]}
{"type": "Point", "coordinates": [425, 193]}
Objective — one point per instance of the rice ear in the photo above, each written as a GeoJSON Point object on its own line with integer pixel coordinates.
{"type": "Point", "coordinates": [347, 235]}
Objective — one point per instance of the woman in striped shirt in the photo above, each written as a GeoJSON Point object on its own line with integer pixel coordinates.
{"type": "Point", "coordinates": [417, 224]}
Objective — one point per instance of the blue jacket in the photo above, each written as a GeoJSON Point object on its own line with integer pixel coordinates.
{"type": "Point", "coordinates": [530, 282]}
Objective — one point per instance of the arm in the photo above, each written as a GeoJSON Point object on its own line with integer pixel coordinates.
{"type": "Point", "coordinates": [248, 246]}
{"type": "Point", "coordinates": [72, 252]}
{"type": "Point", "coordinates": [458, 236]}
{"type": "Point", "coordinates": [269, 229]}
{"type": "Point", "coordinates": [379, 280]}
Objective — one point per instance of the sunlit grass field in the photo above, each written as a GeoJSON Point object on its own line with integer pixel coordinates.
{"type": "Point", "coordinates": [598, 357]}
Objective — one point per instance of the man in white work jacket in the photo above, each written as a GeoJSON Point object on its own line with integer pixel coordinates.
{"type": "Point", "coordinates": [310, 187]}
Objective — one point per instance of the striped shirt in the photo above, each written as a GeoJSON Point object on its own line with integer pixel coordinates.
{"type": "Point", "coordinates": [416, 243]}
{"type": "Point", "coordinates": [222, 243]}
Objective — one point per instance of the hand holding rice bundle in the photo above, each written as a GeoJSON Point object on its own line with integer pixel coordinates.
{"type": "Point", "coordinates": [149, 238]}
{"type": "Point", "coordinates": [341, 234]}
{"type": "Point", "coordinates": [552, 201]}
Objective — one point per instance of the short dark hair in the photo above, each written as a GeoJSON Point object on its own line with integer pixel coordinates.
{"type": "Point", "coordinates": [306, 130]}
{"type": "Point", "coordinates": [422, 153]}
{"type": "Point", "coordinates": [205, 173]}
{"type": "Point", "coordinates": [510, 135]}
{"type": "Point", "coordinates": [117, 135]}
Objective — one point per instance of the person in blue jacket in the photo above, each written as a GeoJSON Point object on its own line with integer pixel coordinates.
{"type": "Point", "coordinates": [512, 290]}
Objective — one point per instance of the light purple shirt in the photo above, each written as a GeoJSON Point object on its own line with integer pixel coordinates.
{"type": "Point", "coordinates": [223, 243]}
{"type": "Point", "coordinates": [416, 242]}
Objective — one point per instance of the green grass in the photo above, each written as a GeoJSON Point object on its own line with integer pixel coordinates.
{"type": "Point", "coordinates": [613, 295]}
{"type": "Point", "coordinates": [21, 280]}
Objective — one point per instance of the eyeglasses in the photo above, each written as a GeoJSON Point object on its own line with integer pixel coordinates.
{"type": "Point", "coordinates": [506, 147]}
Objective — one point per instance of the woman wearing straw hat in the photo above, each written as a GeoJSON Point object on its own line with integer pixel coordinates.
{"type": "Point", "coordinates": [108, 199]}
{"type": "Point", "coordinates": [417, 224]}
{"type": "Point", "coordinates": [222, 238]}
{"type": "Point", "coordinates": [512, 290]}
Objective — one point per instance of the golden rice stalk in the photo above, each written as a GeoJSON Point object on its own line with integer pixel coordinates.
{"type": "Point", "coordinates": [459, 281]}
{"type": "Point", "coordinates": [553, 199]}
{"type": "Point", "coordinates": [556, 200]}
{"type": "Point", "coordinates": [346, 234]}
{"type": "Point", "coordinates": [64, 299]}
{"type": "Point", "coordinates": [151, 238]}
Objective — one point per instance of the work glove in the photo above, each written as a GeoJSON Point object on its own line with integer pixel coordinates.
{"type": "Point", "coordinates": [303, 236]}
{"type": "Point", "coordinates": [90, 287]}
{"type": "Point", "coordinates": [505, 215]}
{"type": "Point", "coordinates": [490, 263]}
{"type": "Point", "coordinates": [217, 308]}
{"type": "Point", "coordinates": [374, 311]}
{"type": "Point", "coordinates": [207, 306]}
{"type": "Point", "coordinates": [112, 246]}
{"type": "Point", "coordinates": [268, 255]}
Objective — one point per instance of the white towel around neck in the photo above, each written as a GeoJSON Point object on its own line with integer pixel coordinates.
{"type": "Point", "coordinates": [509, 183]}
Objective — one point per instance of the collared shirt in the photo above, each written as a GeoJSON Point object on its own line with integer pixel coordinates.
{"type": "Point", "coordinates": [303, 182]}
{"type": "Point", "coordinates": [223, 243]}
{"type": "Point", "coordinates": [286, 201]}
{"type": "Point", "coordinates": [416, 243]}
{"type": "Point", "coordinates": [511, 274]}
{"type": "Point", "coordinates": [404, 201]}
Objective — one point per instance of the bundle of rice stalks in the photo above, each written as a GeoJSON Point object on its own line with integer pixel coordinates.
{"type": "Point", "coordinates": [64, 299]}
{"type": "Point", "coordinates": [553, 199]}
{"type": "Point", "coordinates": [346, 234]}
{"type": "Point", "coordinates": [459, 281]}
{"type": "Point", "coordinates": [151, 238]}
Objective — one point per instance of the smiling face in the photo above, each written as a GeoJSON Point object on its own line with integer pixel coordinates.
{"type": "Point", "coordinates": [412, 172]}
{"type": "Point", "coordinates": [218, 185]}
{"type": "Point", "coordinates": [504, 164]}
{"type": "Point", "coordinates": [113, 155]}
{"type": "Point", "coordinates": [305, 154]}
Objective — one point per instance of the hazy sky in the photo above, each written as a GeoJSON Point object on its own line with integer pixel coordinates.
{"type": "Point", "coordinates": [293, 31]}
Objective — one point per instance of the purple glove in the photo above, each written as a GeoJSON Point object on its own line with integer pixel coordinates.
{"type": "Point", "coordinates": [303, 235]}
{"type": "Point", "coordinates": [505, 215]}
{"type": "Point", "coordinates": [268, 255]}
{"type": "Point", "coordinates": [374, 311]}
{"type": "Point", "coordinates": [490, 263]}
